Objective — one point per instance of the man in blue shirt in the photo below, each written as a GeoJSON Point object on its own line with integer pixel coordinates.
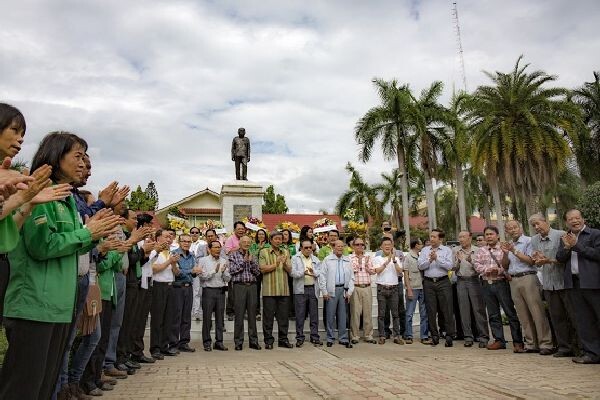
{"type": "Point", "coordinates": [436, 260]}
{"type": "Point", "coordinates": [182, 296]}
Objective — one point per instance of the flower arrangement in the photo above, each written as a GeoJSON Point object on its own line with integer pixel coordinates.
{"type": "Point", "coordinates": [178, 224]}
{"type": "Point", "coordinates": [253, 224]}
{"type": "Point", "coordinates": [356, 228]}
{"type": "Point", "coordinates": [321, 237]}
{"type": "Point", "coordinates": [350, 214]}
{"type": "Point", "coordinates": [211, 224]}
{"type": "Point", "coordinates": [294, 228]}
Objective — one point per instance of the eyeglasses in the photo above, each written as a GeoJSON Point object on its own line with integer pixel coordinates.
{"type": "Point", "coordinates": [359, 244]}
{"type": "Point", "coordinates": [307, 247]}
{"type": "Point", "coordinates": [185, 241]}
{"type": "Point", "coordinates": [194, 233]}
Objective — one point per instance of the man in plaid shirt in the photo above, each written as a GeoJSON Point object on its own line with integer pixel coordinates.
{"type": "Point", "coordinates": [361, 301]}
{"type": "Point", "coordinates": [496, 291]}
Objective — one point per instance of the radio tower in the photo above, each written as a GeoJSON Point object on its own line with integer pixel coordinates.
{"type": "Point", "coordinates": [459, 45]}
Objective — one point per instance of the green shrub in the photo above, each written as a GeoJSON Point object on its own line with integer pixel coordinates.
{"type": "Point", "coordinates": [589, 205]}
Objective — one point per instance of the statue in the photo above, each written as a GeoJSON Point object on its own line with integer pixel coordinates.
{"type": "Point", "coordinates": [240, 154]}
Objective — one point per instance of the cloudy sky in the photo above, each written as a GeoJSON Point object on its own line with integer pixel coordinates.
{"type": "Point", "coordinates": [159, 88]}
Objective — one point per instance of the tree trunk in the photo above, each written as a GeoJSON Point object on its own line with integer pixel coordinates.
{"type": "Point", "coordinates": [430, 198]}
{"type": "Point", "coordinates": [493, 184]}
{"type": "Point", "coordinates": [397, 216]}
{"type": "Point", "coordinates": [486, 212]}
{"type": "Point", "coordinates": [530, 209]}
{"type": "Point", "coordinates": [404, 185]}
{"type": "Point", "coordinates": [460, 191]}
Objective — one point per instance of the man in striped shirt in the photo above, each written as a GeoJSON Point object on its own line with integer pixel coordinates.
{"type": "Point", "coordinates": [275, 265]}
{"type": "Point", "coordinates": [361, 301]}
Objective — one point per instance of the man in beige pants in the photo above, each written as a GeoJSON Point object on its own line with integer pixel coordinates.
{"type": "Point", "coordinates": [361, 301]}
{"type": "Point", "coordinates": [525, 291]}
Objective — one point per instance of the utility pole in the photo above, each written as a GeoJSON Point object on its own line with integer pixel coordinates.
{"type": "Point", "coordinates": [459, 45]}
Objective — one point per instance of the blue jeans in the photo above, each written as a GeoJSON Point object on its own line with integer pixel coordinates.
{"type": "Point", "coordinates": [411, 304]}
{"type": "Point", "coordinates": [83, 285]}
{"type": "Point", "coordinates": [336, 307]}
{"type": "Point", "coordinates": [83, 353]}
{"type": "Point", "coordinates": [498, 295]}
{"type": "Point", "coordinates": [117, 319]}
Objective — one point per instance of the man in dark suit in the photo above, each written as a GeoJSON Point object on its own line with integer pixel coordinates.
{"type": "Point", "coordinates": [580, 251]}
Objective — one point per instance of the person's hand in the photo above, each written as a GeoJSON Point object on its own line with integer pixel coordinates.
{"type": "Point", "coordinates": [119, 196]}
{"type": "Point", "coordinates": [160, 246]}
{"type": "Point", "coordinates": [174, 258]}
{"type": "Point", "coordinates": [148, 245]}
{"type": "Point", "coordinates": [107, 245]}
{"type": "Point", "coordinates": [122, 247]}
{"type": "Point", "coordinates": [569, 240]}
{"type": "Point", "coordinates": [12, 177]}
{"type": "Point", "coordinates": [432, 255]}
{"type": "Point", "coordinates": [197, 270]}
{"type": "Point", "coordinates": [107, 193]}
{"type": "Point", "coordinates": [7, 190]}
{"type": "Point", "coordinates": [410, 294]}
{"type": "Point", "coordinates": [460, 256]}
{"type": "Point", "coordinates": [140, 233]}
{"type": "Point", "coordinates": [507, 247]}
{"type": "Point", "coordinates": [52, 193]}
{"type": "Point", "coordinates": [102, 224]}
{"type": "Point", "coordinates": [326, 296]}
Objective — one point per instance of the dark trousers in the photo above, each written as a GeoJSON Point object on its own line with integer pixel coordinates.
{"type": "Point", "coordinates": [33, 359]}
{"type": "Point", "coordinates": [258, 287]}
{"type": "Point", "coordinates": [132, 308]}
{"type": "Point", "coordinates": [495, 295]}
{"type": "Point", "coordinates": [241, 161]}
{"type": "Point", "coordinates": [180, 306]}
{"type": "Point", "coordinates": [470, 299]}
{"type": "Point", "coordinates": [275, 307]}
{"type": "Point", "coordinates": [140, 321]}
{"type": "Point", "coordinates": [292, 310]}
{"type": "Point", "coordinates": [160, 321]}
{"type": "Point", "coordinates": [438, 299]}
{"type": "Point", "coordinates": [387, 298]}
{"type": "Point", "coordinates": [401, 313]}
{"type": "Point", "coordinates": [561, 317]}
{"type": "Point", "coordinates": [213, 301]}
{"type": "Point", "coordinates": [303, 303]}
{"type": "Point", "coordinates": [245, 302]}
{"type": "Point", "coordinates": [4, 278]}
{"type": "Point", "coordinates": [586, 303]}
{"type": "Point", "coordinates": [230, 307]}
{"type": "Point", "coordinates": [93, 371]}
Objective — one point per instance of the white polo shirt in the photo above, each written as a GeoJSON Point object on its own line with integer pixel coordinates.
{"type": "Point", "coordinates": [388, 276]}
{"type": "Point", "coordinates": [166, 275]}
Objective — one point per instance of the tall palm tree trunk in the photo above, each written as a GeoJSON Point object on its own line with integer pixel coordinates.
{"type": "Point", "coordinates": [430, 198]}
{"type": "Point", "coordinates": [493, 183]}
{"type": "Point", "coordinates": [460, 191]}
{"type": "Point", "coordinates": [404, 185]}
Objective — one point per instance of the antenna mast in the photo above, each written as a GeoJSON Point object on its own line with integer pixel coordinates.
{"type": "Point", "coordinates": [459, 45]}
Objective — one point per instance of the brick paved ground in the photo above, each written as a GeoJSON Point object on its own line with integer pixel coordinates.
{"type": "Point", "coordinates": [366, 372]}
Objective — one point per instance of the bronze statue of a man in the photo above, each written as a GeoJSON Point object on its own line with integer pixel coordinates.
{"type": "Point", "coordinates": [240, 154]}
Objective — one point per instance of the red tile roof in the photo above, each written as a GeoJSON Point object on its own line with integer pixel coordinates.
{"type": "Point", "coordinates": [271, 220]}
{"type": "Point", "coordinates": [201, 211]}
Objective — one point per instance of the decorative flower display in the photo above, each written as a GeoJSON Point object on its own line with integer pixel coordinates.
{"type": "Point", "coordinates": [294, 228]}
{"type": "Point", "coordinates": [321, 223]}
{"type": "Point", "coordinates": [356, 228]}
{"type": "Point", "coordinates": [211, 224]}
{"type": "Point", "coordinates": [178, 224]}
{"type": "Point", "coordinates": [253, 224]}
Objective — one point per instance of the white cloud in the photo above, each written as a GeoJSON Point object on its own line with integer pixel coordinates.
{"type": "Point", "coordinates": [159, 88]}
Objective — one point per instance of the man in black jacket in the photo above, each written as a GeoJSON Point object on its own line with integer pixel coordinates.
{"type": "Point", "coordinates": [580, 251]}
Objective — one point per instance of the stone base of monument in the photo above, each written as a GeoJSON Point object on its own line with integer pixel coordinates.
{"type": "Point", "coordinates": [240, 199]}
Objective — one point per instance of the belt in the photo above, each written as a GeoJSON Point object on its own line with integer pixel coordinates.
{"type": "Point", "coordinates": [3, 256]}
{"type": "Point", "coordinates": [520, 274]}
{"type": "Point", "coordinates": [180, 285]}
{"type": "Point", "coordinates": [221, 289]}
{"type": "Point", "coordinates": [362, 286]}
{"type": "Point", "coordinates": [575, 276]}
{"type": "Point", "coordinates": [492, 281]}
{"type": "Point", "coordinates": [162, 283]}
{"type": "Point", "coordinates": [342, 285]}
{"type": "Point", "coordinates": [438, 279]}
{"type": "Point", "coordinates": [309, 285]}
{"type": "Point", "coordinates": [387, 286]}
{"type": "Point", "coordinates": [244, 283]}
{"type": "Point", "coordinates": [467, 277]}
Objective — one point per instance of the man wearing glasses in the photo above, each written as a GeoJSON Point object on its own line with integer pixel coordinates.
{"type": "Point", "coordinates": [199, 249]}
{"type": "Point", "coordinates": [305, 273]}
{"type": "Point", "coordinates": [361, 302]}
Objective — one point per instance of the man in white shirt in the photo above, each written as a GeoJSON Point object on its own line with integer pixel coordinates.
{"type": "Point", "coordinates": [387, 267]}
{"type": "Point", "coordinates": [162, 280]}
{"type": "Point", "coordinates": [436, 260]}
{"type": "Point", "coordinates": [198, 249]}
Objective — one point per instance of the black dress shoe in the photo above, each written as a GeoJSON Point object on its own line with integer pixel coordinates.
{"type": "Point", "coordinates": [255, 346]}
{"type": "Point", "coordinates": [482, 345]}
{"type": "Point", "coordinates": [546, 352]}
{"type": "Point", "coordinates": [169, 352]}
{"type": "Point", "coordinates": [468, 343]}
{"type": "Point", "coordinates": [132, 364]}
{"type": "Point", "coordinates": [316, 342]}
{"type": "Point", "coordinates": [286, 345]}
{"type": "Point", "coordinates": [186, 348]}
{"type": "Point", "coordinates": [435, 341]}
{"type": "Point", "coordinates": [586, 360]}
{"type": "Point", "coordinates": [125, 368]}
{"type": "Point", "coordinates": [269, 346]}
{"type": "Point", "coordinates": [299, 343]}
{"type": "Point", "coordinates": [219, 346]}
{"type": "Point", "coordinates": [329, 344]}
{"type": "Point", "coordinates": [563, 354]}
{"type": "Point", "coordinates": [230, 317]}
{"type": "Point", "coordinates": [144, 360]}
{"type": "Point", "coordinates": [207, 348]}
{"type": "Point", "coordinates": [532, 350]}
{"type": "Point", "coordinates": [238, 347]}
{"type": "Point", "coordinates": [348, 345]}
{"type": "Point", "coordinates": [158, 356]}
{"type": "Point", "coordinates": [448, 341]}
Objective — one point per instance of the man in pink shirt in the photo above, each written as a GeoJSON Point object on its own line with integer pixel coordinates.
{"type": "Point", "coordinates": [233, 244]}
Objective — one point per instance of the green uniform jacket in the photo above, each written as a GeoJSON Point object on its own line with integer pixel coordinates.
{"type": "Point", "coordinates": [9, 234]}
{"type": "Point", "coordinates": [113, 262]}
{"type": "Point", "coordinates": [43, 276]}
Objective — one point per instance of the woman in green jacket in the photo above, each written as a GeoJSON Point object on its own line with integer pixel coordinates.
{"type": "Point", "coordinates": [260, 242]}
{"type": "Point", "coordinates": [40, 298]}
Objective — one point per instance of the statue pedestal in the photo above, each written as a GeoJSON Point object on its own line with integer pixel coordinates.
{"type": "Point", "coordinates": [240, 199]}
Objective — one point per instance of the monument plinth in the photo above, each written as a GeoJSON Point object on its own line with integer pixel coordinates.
{"type": "Point", "coordinates": [240, 199]}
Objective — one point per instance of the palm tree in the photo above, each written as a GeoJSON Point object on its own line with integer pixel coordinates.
{"type": "Point", "coordinates": [390, 192]}
{"type": "Point", "coordinates": [519, 129]}
{"type": "Point", "coordinates": [360, 196]}
{"type": "Point", "coordinates": [388, 122]}
{"type": "Point", "coordinates": [587, 149]}
{"type": "Point", "coordinates": [426, 121]}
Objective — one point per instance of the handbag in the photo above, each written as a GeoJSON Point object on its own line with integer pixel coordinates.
{"type": "Point", "coordinates": [91, 311]}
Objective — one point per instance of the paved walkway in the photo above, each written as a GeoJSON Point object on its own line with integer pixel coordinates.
{"type": "Point", "coordinates": [368, 371]}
